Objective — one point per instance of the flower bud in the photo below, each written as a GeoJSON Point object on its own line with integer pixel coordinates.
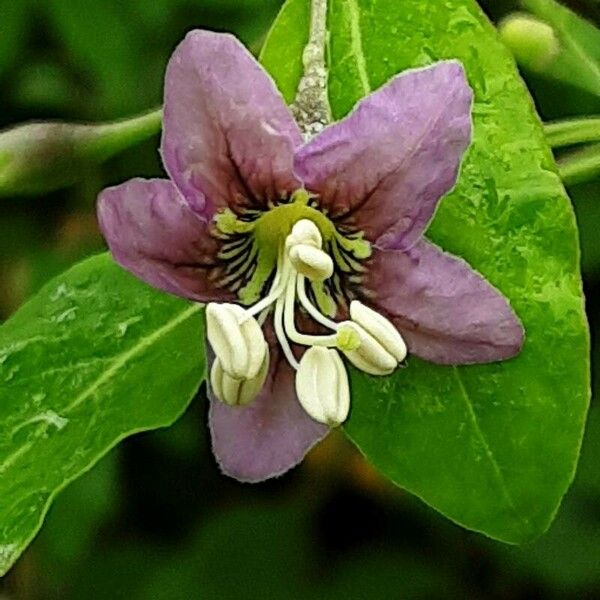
{"type": "Point", "coordinates": [311, 262]}
{"type": "Point", "coordinates": [369, 355]}
{"type": "Point", "coordinates": [322, 386]}
{"type": "Point", "coordinates": [380, 328]}
{"type": "Point", "coordinates": [237, 392]}
{"type": "Point", "coordinates": [306, 232]}
{"type": "Point", "coordinates": [236, 338]}
{"type": "Point", "coordinates": [534, 43]}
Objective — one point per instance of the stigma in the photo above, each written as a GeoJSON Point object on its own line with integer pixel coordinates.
{"type": "Point", "coordinates": [367, 339]}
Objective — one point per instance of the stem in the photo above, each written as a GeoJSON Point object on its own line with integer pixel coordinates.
{"type": "Point", "coordinates": [39, 157]}
{"type": "Point", "coordinates": [580, 166]}
{"type": "Point", "coordinates": [572, 131]}
{"type": "Point", "coordinates": [107, 139]}
{"type": "Point", "coordinates": [311, 107]}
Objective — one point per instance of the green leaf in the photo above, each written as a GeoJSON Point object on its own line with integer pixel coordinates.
{"type": "Point", "coordinates": [106, 41]}
{"type": "Point", "coordinates": [492, 447]}
{"type": "Point", "coordinates": [12, 32]}
{"type": "Point", "coordinates": [95, 356]}
{"type": "Point", "coordinates": [578, 63]}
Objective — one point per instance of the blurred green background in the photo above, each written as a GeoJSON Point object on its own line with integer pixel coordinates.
{"type": "Point", "coordinates": [155, 520]}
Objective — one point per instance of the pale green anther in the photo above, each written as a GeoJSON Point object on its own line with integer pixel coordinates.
{"type": "Point", "coordinates": [322, 386]}
{"type": "Point", "coordinates": [237, 392]}
{"type": "Point", "coordinates": [313, 263]}
{"type": "Point", "coordinates": [370, 356]}
{"type": "Point", "coordinates": [236, 339]}
{"type": "Point", "coordinates": [380, 328]}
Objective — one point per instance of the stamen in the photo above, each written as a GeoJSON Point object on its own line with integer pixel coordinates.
{"type": "Point", "coordinates": [329, 341]}
{"type": "Point", "coordinates": [304, 231]}
{"type": "Point", "coordinates": [302, 260]}
{"type": "Point", "coordinates": [263, 316]}
{"type": "Point", "coordinates": [312, 262]}
{"type": "Point", "coordinates": [280, 333]}
{"type": "Point", "coordinates": [311, 309]}
{"type": "Point", "coordinates": [278, 287]}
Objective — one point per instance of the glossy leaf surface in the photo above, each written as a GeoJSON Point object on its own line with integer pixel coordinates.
{"type": "Point", "coordinates": [492, 447]}
{"type": "Point", "coordinates": [95, 356]}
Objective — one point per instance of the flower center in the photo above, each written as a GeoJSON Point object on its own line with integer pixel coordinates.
{"type": "Point", "coordinates": [252, 245]}
{"type": "Point", "coordinates": [291, 257]}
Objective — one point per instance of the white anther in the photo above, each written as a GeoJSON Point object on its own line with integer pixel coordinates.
{"type": "Point", "coordinates": [236, 338]}
{"type": "Point", "coordinates": [370, 356]}
{"type": "Point", "coordinates": [311, 262]}
{"type": "Point", "coordinates": [380, 328]}
{"type": "Point", "coordinates": [237, 392]}
{"type": "Point", "coordinates": [306, 232]}
{"type": "Point", "coordinates": [322, 386]}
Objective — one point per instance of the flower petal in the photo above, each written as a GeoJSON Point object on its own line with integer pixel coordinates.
{"type": "Point", "coordinates": [152, 232]}
{"type": "Point", "coordinates": [228, 137]}
{"type": "Point", "coordinates": [269, 436]}
{"type": "Point", "coordinates": [446, 311]}
{"type": "Point", "coordinates": [386, 166]}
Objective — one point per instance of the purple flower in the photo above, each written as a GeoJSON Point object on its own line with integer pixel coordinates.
{"type": "Point", "coordinates": [328, 232]}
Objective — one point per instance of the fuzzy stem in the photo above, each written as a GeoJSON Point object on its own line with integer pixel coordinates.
{"type": "Point", "coordinates": [311, 107]}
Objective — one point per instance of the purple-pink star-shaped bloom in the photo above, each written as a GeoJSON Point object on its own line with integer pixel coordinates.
{"type": "Point", "coordinates": [229, 141]}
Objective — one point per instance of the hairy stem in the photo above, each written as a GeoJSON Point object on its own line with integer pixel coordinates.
{"type": "Point", "coordinates": [311, 107]}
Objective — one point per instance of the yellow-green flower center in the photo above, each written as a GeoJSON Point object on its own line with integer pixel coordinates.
{"type": "Point", "coordinates": [253, 243]}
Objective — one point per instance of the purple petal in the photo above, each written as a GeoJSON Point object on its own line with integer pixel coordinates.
{"type": "Point", "coordinates": [446, 311]}
{"type": "Point", "coordinates": [152, 232]}
{"type": "Point", "coordinates": [269, 436]}
{"type": "Point", "coordinates": [386, 166]}
{"type": "Point", "coordinates": [228, 137]}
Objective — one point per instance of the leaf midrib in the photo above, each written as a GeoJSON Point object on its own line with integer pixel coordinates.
{"type": "Point", "coordinates": [356, 45]}
{"type": "Point", "coordinates": [520, 519]}
{"type": "Point", "coordinates": [117, 363]}
{"type": "Point", "coordinates": [121, 359]}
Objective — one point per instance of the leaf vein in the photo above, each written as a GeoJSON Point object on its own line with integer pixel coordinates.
{"type": "Point", "coordinates": [356, 45]}
{"type": "Point", "coordinates": [121, 359]}
{"type": "Point", "coordinates": [523, 521]}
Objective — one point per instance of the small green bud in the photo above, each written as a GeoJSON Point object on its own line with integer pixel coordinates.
{"type": "Point", "coordinates": [534, 43]}
{"type": "Point", "coordinates": [44, 156]}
